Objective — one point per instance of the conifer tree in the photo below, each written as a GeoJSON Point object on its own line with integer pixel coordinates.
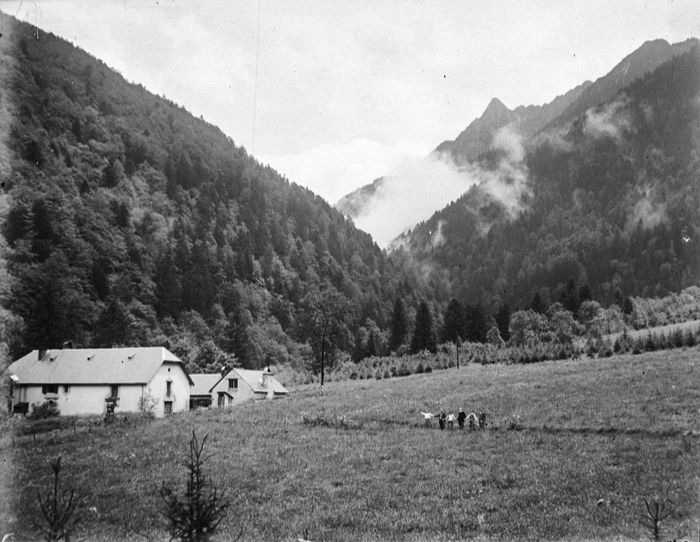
{"type": "Point", "coordinates": [399, 326]}
{"type": "Point", "coordinates": [423, 332]}
{"type": "Point", "coordinates": [453, 326]}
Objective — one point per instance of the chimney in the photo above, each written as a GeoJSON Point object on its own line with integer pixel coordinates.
{"type": "Point", "coordinates": [266, 374]}
{"type": "Point", "coordinates": [42, 354]}
{"type": "Point", "coordinates": [67, 344]}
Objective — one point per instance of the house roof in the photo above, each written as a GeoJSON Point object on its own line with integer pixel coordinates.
{"type": "Point", "coordinates": [254, 379]}
{"type": "Point", "coordinates": [203, 383]}
{"type": "Point", "coordinates": [93, 365]}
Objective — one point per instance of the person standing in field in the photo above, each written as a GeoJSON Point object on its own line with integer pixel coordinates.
{"type": "Point", "coordinates": [441, 419]}
{"type": "Point", "coordinates": [461, 417]}
{"type": "Point", "coordinates": [451, 419]}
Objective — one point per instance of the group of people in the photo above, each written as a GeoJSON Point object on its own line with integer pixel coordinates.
{"type": "Point", "coordinates": [448, 419]}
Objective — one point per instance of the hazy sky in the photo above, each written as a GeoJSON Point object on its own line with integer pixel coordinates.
{"type": "Point", "coordinates": [346, 88]}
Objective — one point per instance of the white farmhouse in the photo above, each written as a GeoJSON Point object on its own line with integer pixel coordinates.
{"type": "Point", "coordinates": [239, 385]}
{"type": "Point", "coordinates": [84, 381]}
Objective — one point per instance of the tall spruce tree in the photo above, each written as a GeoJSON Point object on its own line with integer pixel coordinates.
{"type": "Point", "coordinates": [423, 332]}
{"type": "Point", "coordinates": [399, 326]}
{"type": "Point", "coordinates": [476, 323]}
{"type": "Point", "coordinates": [453, 325]}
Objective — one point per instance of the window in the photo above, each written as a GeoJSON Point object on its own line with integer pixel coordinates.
{"type": "Point", "coordinates": [168, 407]}
{"type": "Point", "coordinates": [114, 390]}
{"type": "Point", "coordinates": [49, 388]}
{"type": "Point", "coordinates": [233, 383]}
{"type": "Point", "coordinates": [168, 388]}
{"type": "Point", "coordinates": [66, 388]}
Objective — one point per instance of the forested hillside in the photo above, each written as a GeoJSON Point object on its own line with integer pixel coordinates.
{"type": "Point", "coordinates": [129, 222]}
{"type": "Point", "coordinates": [610, 199]}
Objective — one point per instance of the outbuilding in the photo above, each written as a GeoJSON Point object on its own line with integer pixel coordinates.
{"type": "Point", "coordinates": [239, 385]}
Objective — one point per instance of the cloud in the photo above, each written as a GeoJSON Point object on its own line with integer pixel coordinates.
{"type": "Point", "coordinates": [611, 120]}
{"type": "Point", "coordinates": [416, 188]}
{"type": "Point", "coordinates": [438, 239]}
{"type": "Point", "coordinates": [647, 213]}
{"type": "Point", "coordinates": [333, 171]}
{"type": "Point", "coordinates": [509, 183]}
{"type": "Point", "coordinates": [411, 193]}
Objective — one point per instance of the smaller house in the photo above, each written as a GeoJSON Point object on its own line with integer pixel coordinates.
{"type": "Point", "coordinates": [100, 380]}
{"type": "Point", "coordinates": [200, 393]}
{"type": "Point", "coordinates": [239, 385]}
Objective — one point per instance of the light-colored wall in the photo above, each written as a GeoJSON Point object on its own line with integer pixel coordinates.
{"type": "Point", "coordinates": [180, 389]}
{"type": "Point", "coordinates": [241, 394]}
{"type": "Point", "coordinates": [84, 399]}
{"type": "Point", "coordinates": [90, 399]}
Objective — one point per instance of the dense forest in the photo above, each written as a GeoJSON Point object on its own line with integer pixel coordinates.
{"type": "Point", "coordinates": [128, 221]}
{"type": "Point", "coordinates": [609, 199]}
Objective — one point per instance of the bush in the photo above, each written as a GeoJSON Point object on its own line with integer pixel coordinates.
{"type": "Point", "coordinates": [40, 411]}
{"type": "Point", "coordinates": [689, 338]}
{"type": "Point", "coordinates": [403, 370]}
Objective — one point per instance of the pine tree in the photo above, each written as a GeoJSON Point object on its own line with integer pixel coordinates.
{"type": "Point", "coordinates": [399, 326]}
{"type": "Point", "coordinates": [476, 324]}
{"type": "Point", "coordinates": [453, 326]}
{"type": "Point", "coordinates": [423, 332]}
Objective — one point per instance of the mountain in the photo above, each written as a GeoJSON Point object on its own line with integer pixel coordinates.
{"type": "Point", "coordinates": [609, 198]}
{"type": "Point", "coordinates": [127, 221]}
{"type": "Point", "coordinates": [646, 59]}
{"type": "Point", "coordinates": [526, 121]}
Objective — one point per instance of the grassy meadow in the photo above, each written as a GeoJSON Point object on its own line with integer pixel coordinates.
{"type": "Point", "coordinates": [571, 449]}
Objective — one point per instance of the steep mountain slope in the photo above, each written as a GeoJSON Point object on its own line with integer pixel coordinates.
{"type": "Point", "coordinates": [526, 121]}
{"type": "Point", "coordinates": [610, 198]}
{"type": "Point", "coordinates": [646, 59]}
{"type": "Point", "coordinates": [477, 138]}
{"type": "Point", "coordinates": [131, 222]}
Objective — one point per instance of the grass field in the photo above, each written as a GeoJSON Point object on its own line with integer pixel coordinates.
{"type": "Point", "coordinates": [563, 436]}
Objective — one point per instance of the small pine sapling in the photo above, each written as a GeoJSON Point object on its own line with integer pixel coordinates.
{"type": "Point", "coordinates": [57, 509]}
{"type": "Point", "coordinates": [652, 516]}
{"type": "Point", "coordinates": [194, 516]}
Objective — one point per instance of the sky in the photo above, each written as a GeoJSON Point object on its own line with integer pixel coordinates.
{"type": "Point", "coordinates": [335, 93]}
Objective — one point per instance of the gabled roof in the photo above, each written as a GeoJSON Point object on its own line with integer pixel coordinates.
{"type": "Point", "coordinates": [203, 383]}
{"type": "Point", "coordinates": [93, 365]}
{"type": "Point", "coordinates": [254, 379]}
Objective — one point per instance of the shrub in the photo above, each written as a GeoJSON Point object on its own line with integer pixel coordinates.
{"type": "Point", "coordinates": [689, 338]}
{"type": "Point", "coordinates": [40, 411]}
{"type": "Point", "coordinates": [147, 404]}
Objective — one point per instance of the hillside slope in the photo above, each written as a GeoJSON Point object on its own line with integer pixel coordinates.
{"type": "Point", "coordinates": [131, 222]}
{"type": "Point", "coordinates": [610, 198]}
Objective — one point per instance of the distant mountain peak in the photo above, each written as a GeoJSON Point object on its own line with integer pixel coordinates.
{"type": "Point", "coordinates": [495, 106]}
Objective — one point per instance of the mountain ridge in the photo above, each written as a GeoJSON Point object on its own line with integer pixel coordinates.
{"type": "Point", "coordinates": [526, 121]}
